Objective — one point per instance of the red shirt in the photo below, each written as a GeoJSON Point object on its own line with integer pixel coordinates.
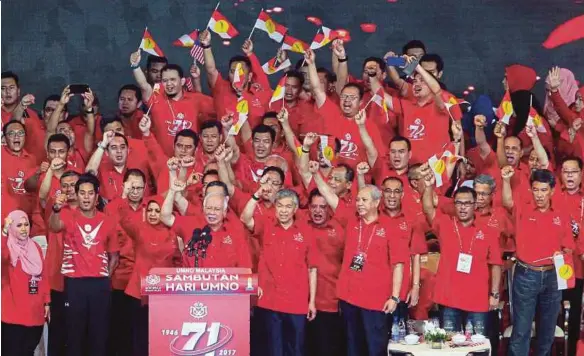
{"type": "Point", "coordinates": [38, 224]}
{"type": "Point", "coordinates": [286, 257]}
{"type": "Point", "coordinates": [352, 150]}
{"type": "Point", "coordinates": [86, 243]}
{"type": "Point", "coordinates": [330, 243]}
{"type": "Point", "coordinates": [18, 305]}
{"type": "Point", "coordinates": [425, 126]}
{"type": "Point", "coordinates": [35, 133]}
{"type": "Point", "coordinates": [574, 204]}
{"type": "Point", "coordinates": [154, 245]}
{"type": "Point", "coordinates": [302, 117]}
{"type": "Point", "coordinates": [371, 287]}
{"type": "Point", "coordinates": [476, 240]}
{"type": "Point", "coordinates": [131, 125]}
{"type": "Point", "coordinates": [14, 169]}
{"type": "Point", "coordinates": [228, 247]}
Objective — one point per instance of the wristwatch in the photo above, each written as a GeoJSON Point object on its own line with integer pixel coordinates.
{"type": "Point", "coordinates": [89, 111]}
{"type": "Point", "coordinates": [494, 295]}
{"type": "Point", "coordinates": [395, 299]}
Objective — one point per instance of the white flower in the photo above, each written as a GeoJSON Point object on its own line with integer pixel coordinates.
{"type": "Point", "coordinates": [441, 331]}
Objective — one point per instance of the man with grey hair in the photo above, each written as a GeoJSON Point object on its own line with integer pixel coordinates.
{"type": "Point", "coordinates": [287, 271]}
{"type": "Point", "coordinates": [369, 282]}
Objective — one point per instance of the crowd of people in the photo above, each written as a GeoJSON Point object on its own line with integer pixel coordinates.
{"type": "Point", "coordinates": [332, 194]}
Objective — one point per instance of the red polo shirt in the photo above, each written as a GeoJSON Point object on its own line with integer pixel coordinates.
{"type": "Point", "coordinates": [35, 133]}
{"type": "Point", "coordinates": [540, 234]}
{"type": "Point", "coordinates": [14, 169]}
{"type": "Point", "coordinates": [18, 305]}
{"type": "Point", "coordinates": [38, 225]}
{"type": "Point", "coordinates": [476, 240]}
{"type": "Point", "coordinates": [302, 116]}
{"type": "Point", "coordinates": [371, 287]}
{"type": "Point", "coordinates": [86, 243]}
{"type": "Point", "coordinates": [286, 257]}
{"type": "Point", "coordinates": [228, 247]}
{"type": "Point", "coordinates": [574, 204]}
{"type": "Point", "coordinates": [131, 125]}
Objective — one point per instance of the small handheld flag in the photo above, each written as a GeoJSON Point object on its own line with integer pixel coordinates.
{"type": "Point", "coordinates": [294, 44]}
{"type": "Point", "coordinates": [242, 110]}
{"type": "Point", "coordinates": [271, 67]}
{"type": "Point", "coordinates": [149, 46]}
{"type": "Point", "coordinates": [187, 40]}
{"type": "Point", "coordinates": [327, 150]}
{"type": "Point", "coordinates": [505, 109]}
{"type": "Point", "coordinates": [324, 38]}
{"type": "Point", "coordinates": [279, 92]}
{"type": "Point", "coordinates": [536, 120]}
{"type": "Point", "coordinates": [438, 165]}
{"type": "Point", "coordinates": [221, 26]}
{"type": "Point", "coordinates": [271, 27]}
{"type": "Point", "coordinates": [238, 77]}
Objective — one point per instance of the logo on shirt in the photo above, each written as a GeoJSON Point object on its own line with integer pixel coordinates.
{"type": "Point", "coordinates": [257, 174]}
{"type": "Point", "coordinates": [298, 237]}
{"type": "Point", "coordinates": [178, 124]}
{"type": "Point", "coordinates": [417, 130]}
{"type": "Point", "coordinates": [332, 233]}
{"type": "Point", "coordinates": [348, 149]}
{"type": "Point", "coordinates": [17, 183]}
{"type": "Point", "coordinates": [403, 226]}
{"type": "Point", "coordinates": [557, 221]}
{"type": "Point", "coordinates": [89, 235]}
{"type": "Point", "coordinates": [227, 240]}
{"type": "Point", "coordinates": [480, 235]}
{"type": "Point", "coordinates": [380, 232]}
{"type": "Point", "coordinates": [198, 310]}
{"type": "Point", "coordinates": [256, 103]}
{"type": "Point", "coordinates": [493, 222]}
{"type": "Point", "coordinates": [575, 228]}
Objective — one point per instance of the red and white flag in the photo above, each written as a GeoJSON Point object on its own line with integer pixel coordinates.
{"type": "Point", "coordinates": [294, 44]}
{"type": "Point", "coordinates": [186, 40]}
{"type": "Point", "coordinates": [535, 120]}
{"type": "Point", "coordinates": [279, 92]}
{"type": "Point", "coordinates": [271, 27]}
{"type": "Point", "coordinates": [242, 110]}
{"type": "Point", "coordinates": [221, 26]}
{"type": "Point", "coordinates": [238, 76]}
{"type": "Point", "coordinates": [148, 44]}
{"type": "Point", "coordinates": [505, 109]}
{"type": "Point", "coordinates": [323, 38]}
{"type": "Point", "coordinates": [439, 165]}
{"type": "Point", "coordinates": [271, 67]}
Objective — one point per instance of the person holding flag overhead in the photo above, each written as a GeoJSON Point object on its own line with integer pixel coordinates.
{"type": "Point", "coordinates": [253, 83]}
{"type": "Point", "coordinates": [156, 61]}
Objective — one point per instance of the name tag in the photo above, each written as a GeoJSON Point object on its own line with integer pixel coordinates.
{"type": "Point", "coordinates": [33, 285]}
{"type": "Point", "coordinates": [358, 262]}
{"type": "Point", "coordinates": [464, 263]}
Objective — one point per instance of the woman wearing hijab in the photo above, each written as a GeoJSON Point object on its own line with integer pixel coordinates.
{"type": "Point", "coordinates": [25, 290]}
{"type": "Point", "coordinates": [155, 245]}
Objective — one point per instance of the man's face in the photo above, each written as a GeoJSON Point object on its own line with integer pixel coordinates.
{"type": "Point", "coordinates": [421, 89]}
{"type": "Point", "coordinates": [275, 125]}
{"type": "Point", "coordinates": [66, 129]}
{"type": "Point", "coordinates": [210, 139]}
{"type": "Point", "coordinates": [513, 150]}
{"type": "Point", "coordinates": [262, 145]}
{"type": "Point", "coordinates": [285, 210]}
{"type": "Point", "coordinates": [50, 108]}
{"type": "Point", "coordinates": [365, 202]}
{"type": "Point", "coordinates": [542, 194]}
{"type": "Point", "coordinates": [350, 101]}
{"type": "Point", "coordinates": [484, 195]}
{"type": "Point", "coordinates": [137, 186]}
{"type": "Point", "coordinates": [571, 175]}
{"type": "Point", "coordinates": [214, 209]}
{"type": "Point", "coordinates": [292, 89]}
{"type": "Point", "coordinates": [324, 82]}
{"type": "Point", "coordinates": [534, 162]}
{"type": "Point", "coordinates": [10, 91]}
{"type": "Point", "coordinates": [318, 210]}
{"type": "Point", "coordinates": [172, 83]}
{"type": "Point", "coordinates": [153, 213]}
{"type": "Point", "coordinates": [273, 186]}
{"type": "Point", "coordinates": [246, 73]}
{"type": "Point", "coordinates": [416, 52]}
{"type": "Point", "coordinates": [15, 137]}
{"type": "Point", "coordinates": [128, 102]}
{"type": "Point", "coordinates": [464, 205]}
{"type": "Point", "coordinates": [87, 197]}
{"type": "Point", "coordinates": [118, 151]}
{"type": "Point", "coordinates": [115, 126]}
{"type": "Point", "coordinates": [57, 150]}
{"type": "Point", "coordinates": [432, 68]}
{"type": "Point", "coordinates": [338, 181]}
{"type": "Point", "coordinates": [154, 73]}
{"type": "Point", "coordinates": [184, 146]}
{"type": "Point", "coordinates": [208, 179]}
{"type": "Point", "coordinates": [304, 72]}
{"type": "Point", "coordinates": [68, 188]}
{"type": "Point", "coordinates": [399, 155]}
{"type": "Point", "coordinates": [393, 192]}
{"type": "Point", "coordinates": [372, 69]}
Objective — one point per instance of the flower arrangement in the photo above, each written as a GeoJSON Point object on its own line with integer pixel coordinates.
{"type": "Point", "coordinates": [435, 335]}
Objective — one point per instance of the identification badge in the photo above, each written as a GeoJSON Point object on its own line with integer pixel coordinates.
{"type": "Point", "coordinates": [358, 262]}
{"type": "Point", "coordinates": [464, 263]}
{"type": "Point", "coordinates": [33, 285]}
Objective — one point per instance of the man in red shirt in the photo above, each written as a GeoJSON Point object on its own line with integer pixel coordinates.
{"type": "Point", "coordinates": [129, 114]}
{"type": "Point", "coordinates": [541, 232]}
{"type": "Point", "coordinates": [287, 271]}
{"type": "Point", "coordinates": [90, 256]}
{"type": "Point", "coordinates": [397, 161]}
{"type": "Point", "coordinates": [249, 167]}
{"type": "Point", "coordinates": [326, 330]}
{"type": "Point", "coordinates": [154, 66]}
{"type": "Point", "coordinates": [469, 255]}
{"type": "Point", "coordinates": [371, 275]}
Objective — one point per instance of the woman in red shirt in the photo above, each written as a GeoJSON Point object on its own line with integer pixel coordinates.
{"type": "Point", "coordinates": [25, 288]}
{"type": "Point", "coordinates": [155, 245]}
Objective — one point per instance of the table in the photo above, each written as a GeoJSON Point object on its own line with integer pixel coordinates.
{"type": "Point", "coordinates": [424, 349]}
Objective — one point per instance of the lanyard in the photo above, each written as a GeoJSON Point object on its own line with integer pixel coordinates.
{"type": "Point", "coordinates": [459, 239]}
{"type": "Point", "coordinates": [171, 110]}
{"type": "Point", "coordinates": [360, 235]}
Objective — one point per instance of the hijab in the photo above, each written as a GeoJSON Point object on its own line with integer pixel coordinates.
{"type": "Point", "coordinates": [24, 250]}
{"type": "Point", "coordinates": [568, 89]}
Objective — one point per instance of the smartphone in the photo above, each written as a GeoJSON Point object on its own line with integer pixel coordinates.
{"type": "Point", "coordinates": [395, 62]}
{"type": "Point", "coordinates": [411, 68]}
{"type": "Point", "coordinates": [78, 88]}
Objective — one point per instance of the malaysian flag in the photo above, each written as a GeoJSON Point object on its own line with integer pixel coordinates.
{"type": "Point", "coordinates": [197, 51]}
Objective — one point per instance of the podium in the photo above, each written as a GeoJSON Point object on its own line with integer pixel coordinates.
{"type": "Point", "coordinates": [199, 311]}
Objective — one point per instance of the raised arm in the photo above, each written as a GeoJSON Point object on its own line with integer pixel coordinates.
{"type": "Point", "coordinates": [480, 121]}
{"type": "Point", "coordinates": [139, 76]}
{"type": "Point", "coordinates": [342, 68]}
{"type": "Point", "coordinates": [54, 118]}
{"type": "Point", "coordinates": [89, 137]}
{"type": "Point", "coordinates": [256, 67]}
{"type": "Point", "coordinates": [303, 159]}
{"type": "Point", "coordinates": [247, 212]}
{"type": "Point", "coordinates": [318, 92]}
{"type": "Point", "coordinates": [393, 74]}
{"type": "Point", "coordinates": [96, 157]}
{"type": "Point", "coordinates": [288, 133]}
{"type": "Point", "coordinates": [500, 132]}
{"type": "Point", "coordinates": [362, 169]}
{"type": "Point", "coordinates": [25, 102]}
{"type": "Point", "coordinates": [553, 82]}
{"type": "Point", "coordinates": [324, 189]}
{"type": "Point", "coordinates": [175, 187]}
{"type": "Point", "coordinates": [370, 149]}
{"type": "Point", "coordinates": [56, 224]}
{"type": "Point", "coordinates": [210, 67]}
{"type": "Point", "coordinates": [542, 157]}
{"type": "Point", "coordinates": [375, 86]}
{"type": "Point", "coordinates": [428, 195]}
{"type": "Point", "coordinates": [222, 153]}
{"type": "Point", "coordinates": [45, 188]}
{"type": "Point", "coordinates": [196, 77]}
{"type": "Point", "coordinates": [506, 192]}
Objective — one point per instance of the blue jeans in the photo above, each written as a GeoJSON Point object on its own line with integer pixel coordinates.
{"type": "Point", "coordinates": [533, 289]}
{"type": "Point", "coordinates": [284, 331]}
{"type": "Point", "coordinates": [459, 318]}
{"type": "Point", "coordinates": [367, 333]}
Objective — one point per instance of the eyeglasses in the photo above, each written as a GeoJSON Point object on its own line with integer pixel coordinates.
{"type": "Point", "coordinates": [138, 189]}
{"type": "Point", "coordinates": [344, 97]}
{"type": "Point", "coordinates": [19, 133]}
{"type": "Point", "coordinates": [569, 173]}
{"type": "Point", "coordinates": [483, 194]}
{"type": "Point", "coordinates": [392, 192]}
{"type": "Point", "coordinates": [465, 204]}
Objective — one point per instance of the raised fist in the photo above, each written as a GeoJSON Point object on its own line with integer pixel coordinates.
{"type": "Point", "coordinates": [338, 48]}
{"type": "Point", "coordinates": [247, 47]}
{"type": "Point", "coordinates": [57, 164]}
{"type": "Point", "coordinates": [60, 201]}
{"type": "Point", "coordinates": [27, 100]}
{"type": "Point", "coordinates": [313, 167]}
{"type": "Point", "coordinates": [173, 163]}
{"type": "Point", "coordinates": [309, 139]}
{"type": "Point", "coordinates": [500, 129]}
{"type": "Point", "coordinates": [205, 38]}
{"type": "Point", "coordinates": [361, 117]}
{"type": "Point", "coordinates": [135, 58]}
{"type": "Point", "coordinates": [145, 125]}
{"type": "Point", "coordinates": [507, 172]}
{"type": "Point", "coordinates": [363, 168]}
{"type": "Point", "coordinates": [283, 115]}
{"type": "Point", "coordinates": [480, 121]}
{"type": "Point", "coordinates": [187, 162]}
{"type": "Point", "coordinates": [309, 57]}
{"type": "Point", "coordinates": [108, 136]}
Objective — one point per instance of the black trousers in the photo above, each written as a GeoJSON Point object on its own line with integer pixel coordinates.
{"type": "Point", "coordinates": [58, 325]}
{"type": "Point", "coordinates": [325, 335]}
{"type": "Point", "coordinates": [120, 335]}
{"type": "Point", "coordinates": [88, 305]}
{"type": "Point", "coordinates": [139, 335]}
{"type": "Point", "coordinates": [574, 295]}
{"type": "Point", "coordinates": [20, 340]}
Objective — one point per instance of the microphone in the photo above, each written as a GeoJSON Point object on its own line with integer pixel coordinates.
{"type": "Point", "coordinates": [191, 246]}
{"type": "Point", "coordinates": [205, 240]}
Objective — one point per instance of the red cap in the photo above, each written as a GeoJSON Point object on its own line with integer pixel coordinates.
{"type": "Point", "coordinates": [520, 77]}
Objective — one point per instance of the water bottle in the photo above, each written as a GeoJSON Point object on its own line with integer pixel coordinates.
{"type": "Point", "coordinates": [395, 332]}
{"type": "Point", "coordinates": [468, 330]}
{"type": "Point", "coordinates": [402, 330]}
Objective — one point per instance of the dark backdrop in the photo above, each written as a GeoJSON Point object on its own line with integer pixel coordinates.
{"type": "Point", "coordinates": [55, 42]}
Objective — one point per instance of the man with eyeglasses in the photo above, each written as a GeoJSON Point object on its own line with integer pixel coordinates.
{"type": "Point", "coordinates": [571, 197]}
{"type": "Point", "coordinates": [469, 255]}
